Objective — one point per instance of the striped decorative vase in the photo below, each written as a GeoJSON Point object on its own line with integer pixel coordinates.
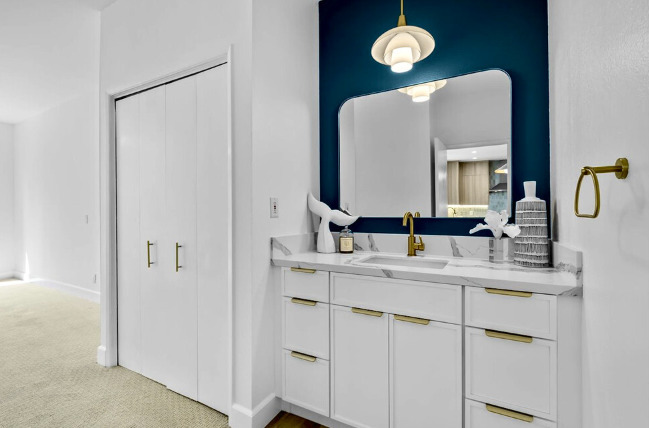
{"type": "Point", "coordinates": [531, 246]}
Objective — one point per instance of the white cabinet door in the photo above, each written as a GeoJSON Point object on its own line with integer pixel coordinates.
{"type": "Point", "coordinates": [359, 367]}
{"type": "Point", "coordinates": [425, 374]}
{"type": "Point", "coordinates": [154, 305]}
{"type": "Point", "coordinates": [129, 244]}
{"type": "Point", "coordinates": [181, 231]}
{"type": "Point", "coordinates": [213, 217]}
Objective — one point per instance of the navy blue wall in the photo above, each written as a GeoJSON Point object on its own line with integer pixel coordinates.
{"type": "Point", "coordinates": [470, 36]}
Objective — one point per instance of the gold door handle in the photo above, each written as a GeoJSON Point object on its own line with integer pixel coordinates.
{"type": "Point", "coordinates": [367, 312]}
{"type": "Point", "coordinates": [148, 254]}
{"type": "Point", "coordinates": [302, 270]}
{"type": "Point", "coordinates": [510, 413]}
{"type": "Point", "coordinates": [508, 292]}
{"type": "Point", "coordinates": [411, 319]}
{"type": "Point", "coordinates": [303, 301]}
{"type": "Point", "coordinates": [508, 336]}
{"type": "Point", "coordinates": [177, 265]}
{"type": "Point", "coordinates": [304, 357]}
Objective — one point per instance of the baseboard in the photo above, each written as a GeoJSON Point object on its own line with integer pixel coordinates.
{"type": "Point", "coordinates": [73, 290]}
{"type": "Point", "coordinates": [9, 275]}
{"type": "Point", "coordinates": [259, 417]}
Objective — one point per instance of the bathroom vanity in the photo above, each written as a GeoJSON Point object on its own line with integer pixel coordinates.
{"type": "Point", "coordinates": [383, 340]}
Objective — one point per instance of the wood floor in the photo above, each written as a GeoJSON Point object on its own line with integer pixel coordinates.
{"type": "Point", "coordinates": [287, 420]}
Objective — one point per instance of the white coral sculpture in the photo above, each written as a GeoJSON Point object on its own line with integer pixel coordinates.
{"type": "Point", "coordinates": [497, 223]}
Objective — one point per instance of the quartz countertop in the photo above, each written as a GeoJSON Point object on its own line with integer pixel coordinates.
{"type": "Point", "coordinates": [458, 271]}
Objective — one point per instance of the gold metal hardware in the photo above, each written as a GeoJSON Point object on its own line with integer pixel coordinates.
{"type": "Point", "coordinates": [413, 245]}
{"type": "Point", "coordinates": [304, 357]}
{"type": "Point", "coordinates": [508, 292]}
{"type": "Point", "coordinates": [510, 413]}
{"type": "Point", "coordinates": [411, 319]}
{"type": "Point", "coordinates": [402, 17]}
{"type": "Point", "coordinates": [302, 270]}
{"type": "Point", "coordinates": [621, 170]}
{"type": "Point", "coordinates": [177, 265]}
{"type": "Point", "coordinates": [367, 312]}
{"type": "Point", "coordinates": [148, 254]}
{"type": "Point", "coordinates": [303, 301]}
{"type": "Point", "coordinates": [508, 336]}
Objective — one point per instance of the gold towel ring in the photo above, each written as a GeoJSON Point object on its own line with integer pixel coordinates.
{"type": "Point", "coordinates": [621, 170]}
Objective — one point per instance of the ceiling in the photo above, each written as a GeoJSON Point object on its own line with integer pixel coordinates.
{"type": "Point", "coordinates": [49, 53]}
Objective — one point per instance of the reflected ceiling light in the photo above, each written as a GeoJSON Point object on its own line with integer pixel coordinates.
{"type": "Point", "coordinates": [403, 46]}
{"type": "Point", "coordinates": [502, 169]}
{"type": "Point", "coordinates": [421, 93]}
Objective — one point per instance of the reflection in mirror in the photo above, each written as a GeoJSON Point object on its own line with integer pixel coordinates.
{"type": "Point", "coordinates": [440, 148]}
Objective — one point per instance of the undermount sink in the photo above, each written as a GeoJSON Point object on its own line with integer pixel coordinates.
{"type": "Point", "coordinates": [414, 262]}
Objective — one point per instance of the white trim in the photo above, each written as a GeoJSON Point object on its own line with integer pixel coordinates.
{"type": "Point", "coordinates": [107, 351]}
{"type": "Point", "coordinates": [73, 290]}
{"type": "Point", "coordinates": [11, 275]}
{"type": "Point", "coordinates": [259, 417]}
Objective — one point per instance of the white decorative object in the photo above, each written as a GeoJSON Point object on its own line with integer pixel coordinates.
{"type": "Point", "coordinates": [497, 223]}
{"type": "Point", "coordinates": [532, 245]}
{"type": "Point", "coordinates": [326, 242]}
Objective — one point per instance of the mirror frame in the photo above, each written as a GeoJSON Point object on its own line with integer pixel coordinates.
{"type": "Point", "coordinates": [510, 208]}
{"type": "Point", "coordinates": [508, 35]}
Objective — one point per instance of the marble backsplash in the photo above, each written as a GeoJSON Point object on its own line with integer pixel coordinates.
{"type": "Point", "coordinates": [564, 258]}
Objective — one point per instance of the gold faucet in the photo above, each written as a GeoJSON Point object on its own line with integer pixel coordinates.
{"type": "Point", "coordinates": [413, 245]}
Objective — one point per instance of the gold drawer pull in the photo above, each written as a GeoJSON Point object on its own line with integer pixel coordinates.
{"type": "Point", "coordinates": [367, 312]}
{"type": "Point", "coordinates": [508, 292]}
{"type": "Point", "coordinates": [411, 319]}
{"type": "Point", "coordinates": [302, 270]}
{"type": "Point", "coordinates": [304, 357]}
{"type": "Point", "coordinates": [303, 301]}
{"type": "Point", "coordinates": [510, 413]}
{"type": "Point", "coordinates": [508, 336]}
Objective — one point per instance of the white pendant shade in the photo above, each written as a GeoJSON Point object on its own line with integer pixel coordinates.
{"type": "Point", "coordinates": [421, 93]}
{"type": "Point", "coordinates": [402, 45]}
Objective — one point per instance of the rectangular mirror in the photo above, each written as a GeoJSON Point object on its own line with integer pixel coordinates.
{"type": "Point", "coordinates": [441, 148]}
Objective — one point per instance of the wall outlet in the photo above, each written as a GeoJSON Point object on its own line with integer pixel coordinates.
{"type": "Point", "coordinates": [274, 207]}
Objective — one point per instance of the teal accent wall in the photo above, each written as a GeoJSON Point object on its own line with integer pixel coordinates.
{"type": "Point", "coordinates": [470, 36]}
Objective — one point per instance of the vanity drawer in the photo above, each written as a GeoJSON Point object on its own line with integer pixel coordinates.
{"type": "Point", "coordinates": [432, 301]}
{"type": "Point", "coordinates": [306, 382]}
{"type": "Point", "coordinates": [306, 326]}
{"type": "Point", "coordinates": [503, 371]}
{"type": "Point", "coordinates": [514, 312]}
{"type": "Point", "coordinates": [305, 283]}
{"type": "Point", "coordinates": [480, 415]}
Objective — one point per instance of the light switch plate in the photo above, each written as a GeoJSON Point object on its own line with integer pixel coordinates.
{"type": "Point", "coordinates": [274, 207]}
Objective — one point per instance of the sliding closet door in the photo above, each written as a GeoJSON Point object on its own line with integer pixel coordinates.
{"type": "Point", "coordinates": [182, 375]}
{"type": "Point", "coordinates": [154, 245]}
{"type": "Point", "coordinates": [128, 233]}
{"type": "Point", "coordinates": [213, 240]}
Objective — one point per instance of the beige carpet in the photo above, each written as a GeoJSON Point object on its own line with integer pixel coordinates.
{"type": "Point", "coordinates": [49, 376]}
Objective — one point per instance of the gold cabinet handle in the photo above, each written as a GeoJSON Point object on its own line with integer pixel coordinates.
{"type": "Point", "coordinates": [621, 170]}
{"type": "Point", "coordinates": [148, 254]}
{"type": "Point", "coordinates": [508, 336]}
{"type": "Point", "coordinates": [411, 319]}
{"type": "Point", "coordinates": [367, 312]}
{"type": "Point", "coordinates": [178, 267]}
{"type": "Point", "coordinates": [510, 413]}
{"type": "Point", "coordinates": [303, 301]}
{"type": "Point", "coordinates": [301, 356]}
{"type": "Point", "coordinates": [302, 270]}
{"type": "Point", "coordinates": [508, 292]}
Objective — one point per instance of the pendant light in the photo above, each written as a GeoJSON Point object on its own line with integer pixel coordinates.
{"type": "Point", "coordinates": [421, 93]}
{"type": "Point", "coordinates": [403, 46]}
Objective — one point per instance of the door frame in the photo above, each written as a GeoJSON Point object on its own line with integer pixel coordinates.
{"type": "Point", "coordinates": [107, 350]}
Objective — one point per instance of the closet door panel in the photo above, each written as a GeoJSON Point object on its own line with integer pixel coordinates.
{"type": "Point", "coordinates": [213, 239]}
{"type": "Point", "coordinates": [154, 302]}
{"type": "Point", "coordinates": [128, 233]}
{"type": "Point", "coordinates": [181, 229]}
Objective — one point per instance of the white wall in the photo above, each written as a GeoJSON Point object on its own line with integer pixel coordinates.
{"type": "Point", "coordinates": [56, 168]}
{"type": "Point", "coordinates": [143, 40]}
{"type": "Point", "coordinates": [7, 265]}
{"type": "Point", "coordinates": [599, 104]}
